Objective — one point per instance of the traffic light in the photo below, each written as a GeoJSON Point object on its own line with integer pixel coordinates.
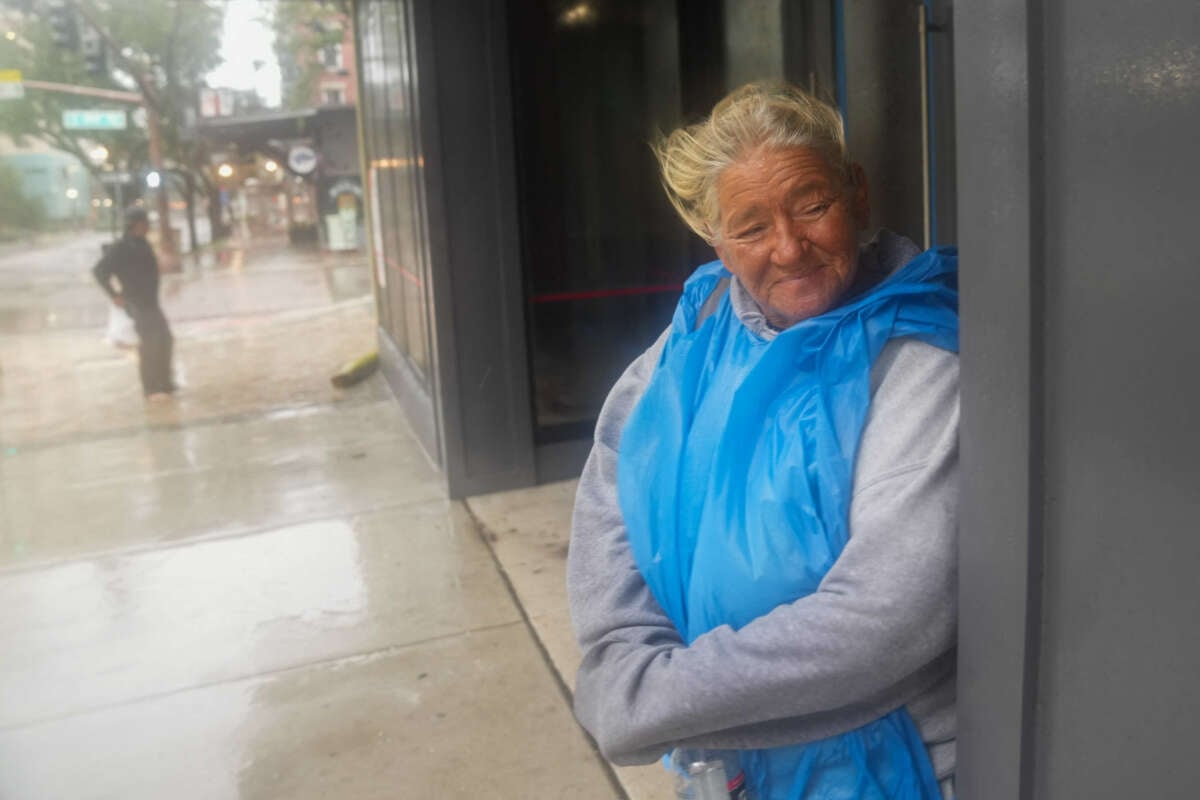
{"type": "Point", "coordinates": [93, 50]}
{"type": "Point", "coordinates": [64, 31]}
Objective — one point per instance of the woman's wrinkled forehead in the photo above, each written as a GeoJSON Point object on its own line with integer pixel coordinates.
{"type": "Point", "coordinates": [767, 176]}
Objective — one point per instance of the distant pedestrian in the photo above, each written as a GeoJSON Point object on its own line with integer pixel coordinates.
{"type": "Point", "coordinates": [132, 262]}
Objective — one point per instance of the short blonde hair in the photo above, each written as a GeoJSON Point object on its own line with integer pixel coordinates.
{"type": "Point", "coordinates": [757, 114]}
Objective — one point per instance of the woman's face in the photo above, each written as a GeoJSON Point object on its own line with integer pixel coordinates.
{"type": "Point", "coordinates": [789, 230]}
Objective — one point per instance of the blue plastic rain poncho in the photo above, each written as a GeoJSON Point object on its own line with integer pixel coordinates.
{"type": "Point", "coordinates": [734, 476]}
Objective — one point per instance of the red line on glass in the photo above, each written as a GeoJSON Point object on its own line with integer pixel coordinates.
{"type": "Point", "coordinates": [596, 294]}
{"type": "Point", "coordinates": [403, 272]}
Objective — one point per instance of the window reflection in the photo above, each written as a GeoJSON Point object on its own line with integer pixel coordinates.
{"type": "Point", "coordinates": [395, 162]}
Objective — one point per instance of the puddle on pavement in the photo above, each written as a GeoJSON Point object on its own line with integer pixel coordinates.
{"type": "Point", "coordinates": [348, 282]}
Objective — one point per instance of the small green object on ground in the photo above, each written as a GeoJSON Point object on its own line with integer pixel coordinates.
{"type": "Point", "coordinates": [356, 371]}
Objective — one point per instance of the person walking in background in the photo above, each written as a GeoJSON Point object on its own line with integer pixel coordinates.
{"type": "Point", "coordinates": [132, 262]}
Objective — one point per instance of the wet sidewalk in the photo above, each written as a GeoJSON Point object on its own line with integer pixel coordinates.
{"type": "Point", "coordinates": [257, 325]}
{"type": "Point", "coordinates": [259, 590]}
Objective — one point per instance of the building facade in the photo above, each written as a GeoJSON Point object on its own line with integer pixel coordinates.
{"type": "Point", "coordinates": [337, 81]}
{"type": "Point", "coordinates": [53, 179]}
{"type": "Point", "coordinates": [315, 158]}
{"type": "Point", "coordinates": [316, 47]}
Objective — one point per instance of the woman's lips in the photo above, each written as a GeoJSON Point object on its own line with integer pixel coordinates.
{"type": "Point", "coordinates": [801, 275]}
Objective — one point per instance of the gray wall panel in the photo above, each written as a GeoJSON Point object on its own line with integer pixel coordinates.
{"type": "Point", "coordinates": [1121, 646]}
{"type": "Point", "coordinates": [1079, 556]}
{"type": "Point", "coordinates": [1000, 524]}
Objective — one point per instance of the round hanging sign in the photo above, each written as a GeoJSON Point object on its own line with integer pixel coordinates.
{"type": "Point", "coordinates": [302, 159]}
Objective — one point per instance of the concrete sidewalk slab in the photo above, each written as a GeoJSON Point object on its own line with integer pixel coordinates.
{"type": "Point", "coordinates": [210, 479]}
{"type": "Point", "coordinates": [528, 530]}
{"type": "Point", "coordinates": [109, 630]}
{"type": "Point", "coordinates": [472, 715]}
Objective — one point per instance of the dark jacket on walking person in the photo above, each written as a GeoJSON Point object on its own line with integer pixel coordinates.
{"type": "Point", "coordinates": [132, 262]}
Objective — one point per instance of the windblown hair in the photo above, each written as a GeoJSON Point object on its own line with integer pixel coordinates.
{"type": "Point", "coordinates": [757, 114]}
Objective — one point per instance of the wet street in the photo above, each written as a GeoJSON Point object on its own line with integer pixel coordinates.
{"type": "Point", "coordinates": [259, 589]}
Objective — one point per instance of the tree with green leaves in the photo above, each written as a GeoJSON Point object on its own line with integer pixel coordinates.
{"type": "Point", "coordinates": [38, 115]}
{"type": "Point", "coordinates": [162, 48]}
{"type": "Point", "coordinates": [175, 43]}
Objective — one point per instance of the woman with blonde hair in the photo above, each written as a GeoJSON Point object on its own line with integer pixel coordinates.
{"type": "Point", "coordinates": [762, 568]}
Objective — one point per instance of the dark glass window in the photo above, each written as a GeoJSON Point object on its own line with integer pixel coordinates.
{"type": "Point", "coordinates": [604, 254]}
{"type": "Point", "coordinates": [595, 80]}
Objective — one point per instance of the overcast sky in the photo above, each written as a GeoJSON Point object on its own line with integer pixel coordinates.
{"type": "Point", "coordinates": [248, 38]}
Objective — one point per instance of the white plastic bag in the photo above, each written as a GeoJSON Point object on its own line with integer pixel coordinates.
{"type": "Point", "coordinates": [121, 332]}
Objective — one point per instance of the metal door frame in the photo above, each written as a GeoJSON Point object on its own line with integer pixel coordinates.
{"type": "Point", "coordinates": [1000, 211]}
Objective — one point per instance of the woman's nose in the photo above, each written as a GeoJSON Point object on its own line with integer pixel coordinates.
{"type": "Point", "coordinates": [789, 244]}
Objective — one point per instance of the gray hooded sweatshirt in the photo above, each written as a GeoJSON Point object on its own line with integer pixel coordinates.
{"type": "Point", "coordinates": [878, 634]}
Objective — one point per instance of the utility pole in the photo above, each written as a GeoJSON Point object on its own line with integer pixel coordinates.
{"type": "Point", "coordinates": [167, 246]}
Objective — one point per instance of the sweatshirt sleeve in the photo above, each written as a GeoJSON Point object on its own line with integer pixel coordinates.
{"type": "Point", "coordinates": [879, 631]}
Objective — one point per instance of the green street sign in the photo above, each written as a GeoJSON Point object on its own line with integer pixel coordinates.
{"type": "Point", "coordinates": [94, 120]}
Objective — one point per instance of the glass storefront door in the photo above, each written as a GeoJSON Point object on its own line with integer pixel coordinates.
{"type": "Point", "coordinates": [604, 255]}
{"type": "Point", "coordinates": [594, 82]}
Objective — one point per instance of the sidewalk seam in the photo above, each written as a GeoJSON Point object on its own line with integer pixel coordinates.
{"type": "Point", "coordinates": [220, 536]}
{"type": "Point", "coordinates": [482, 530]}
{"type": "Point", "coordinates": [90, 437]}
{"type": "Point", "coordinates": [380, 652]}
